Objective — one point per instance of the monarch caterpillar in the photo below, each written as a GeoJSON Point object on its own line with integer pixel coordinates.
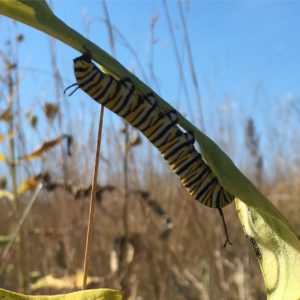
{"type": "Point", "coordinates": [160, 127]}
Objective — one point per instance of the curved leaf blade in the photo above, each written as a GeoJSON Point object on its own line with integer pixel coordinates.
{"type": "Point", "coordinates": [278, 259]}
{"type": "Point", "coordinates": [275, 242]}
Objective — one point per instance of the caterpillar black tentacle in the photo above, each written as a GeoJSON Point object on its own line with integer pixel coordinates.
{"type": "Point", "coordinates": [69, 87]}
{"type": "Point", "coordinates": [160, 127]}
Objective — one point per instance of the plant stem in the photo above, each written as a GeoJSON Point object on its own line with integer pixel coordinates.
{"type": "Point", "coordinates": [125, 174]}
{"type": "Point", "coordinates": [22, 268]}
{"type": "Point", "coordinates": [92, 202]}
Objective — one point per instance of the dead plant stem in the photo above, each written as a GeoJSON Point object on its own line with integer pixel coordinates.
{"type": "Point", "coordinates": [92, 202]}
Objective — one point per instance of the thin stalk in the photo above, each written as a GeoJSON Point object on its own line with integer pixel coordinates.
{"type": "Point", "coordinates": [21, 221]}
{"type": "Point", "coordinates": [109, 27]}
{"type": "Point", "coordinates": [178, 60]}
{"type": "Point", "coordinates": [125, 280]}
{"type": "Point", "coordinates": [125, 174]}
{"type": "Point", "coordinates": [192, 69]}
{"type": "Point", "coordinates": [92, 201]}
{"type": "Point", "coordinates": [151, 58]}
{"type": "Point", "coordinates": [22, 267]}
{"type": "Point", "coordinates": [58, 87]}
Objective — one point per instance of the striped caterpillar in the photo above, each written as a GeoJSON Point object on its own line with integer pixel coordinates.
{"type": "Point", "coordinates": [160, 127]}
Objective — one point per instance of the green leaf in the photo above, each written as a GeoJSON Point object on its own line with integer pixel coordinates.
{"type": "Point", "coordinates": [97, 294]}
{"type": "Point", "coordinates": [4, 240]}
{"type": "Point", "coordinates": [275, 241]}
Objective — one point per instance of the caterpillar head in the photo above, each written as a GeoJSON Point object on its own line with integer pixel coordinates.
{"type": "Point", "coordinates": [83, 64]}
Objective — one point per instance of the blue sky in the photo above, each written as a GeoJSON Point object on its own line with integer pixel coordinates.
{"type": "Point", "coordinates": [245, 53]}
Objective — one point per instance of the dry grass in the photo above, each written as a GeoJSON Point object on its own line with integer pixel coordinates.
{"type": "Point", "coordinates": [189, 263]}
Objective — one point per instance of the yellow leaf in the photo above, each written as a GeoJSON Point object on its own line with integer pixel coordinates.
{"type": "Point", "coordinates": [43, 148]}
{"type": "Point", "coordinates": [95, 294]}
{"type": "Point", "coordinates": [66, 282]}
{"type": "Point", "coordinates": [6, 194]}
{"type": "Point", "coordinates": [2, 156]}
{"type": "Point", "coordinates": [30, 183]}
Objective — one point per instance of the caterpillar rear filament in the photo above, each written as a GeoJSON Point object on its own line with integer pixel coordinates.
{"type": "Point", "coordinates": [160, 127]}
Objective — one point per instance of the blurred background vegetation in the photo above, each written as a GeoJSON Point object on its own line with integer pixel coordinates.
{"type": "Point", "coordinates": [150, 237]}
